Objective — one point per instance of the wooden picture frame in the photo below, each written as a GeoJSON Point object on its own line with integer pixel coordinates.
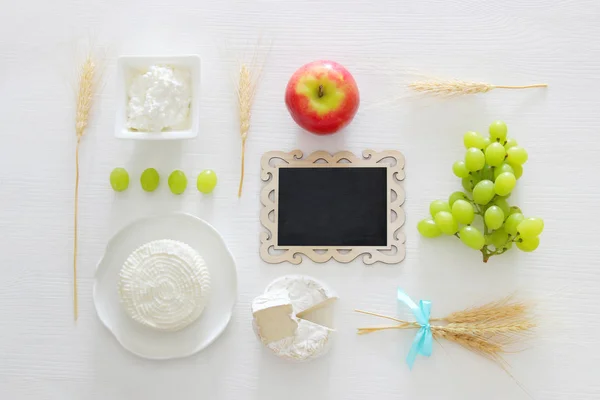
{"type": "Point", "coordinates": [395, 250]}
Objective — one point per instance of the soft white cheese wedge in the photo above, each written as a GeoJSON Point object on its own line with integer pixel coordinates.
{"type": "Point", "coordinates": [165, 285]}
{"type": "Point", "coordinates": [279, 317]}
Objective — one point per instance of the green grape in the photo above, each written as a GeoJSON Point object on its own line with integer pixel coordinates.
{"type": "Point", "coordinates": [494, 154]}
{"type": "Point", "coordinates": [486, 142]}
{"type": "Point", "coordinates": [463, 212]}
{"type": "Point", "coordinates": [456, 196]}
{"type": "Point", "coordinates": [505, 183]}
{"type": "Point", "coordinates": [530, 227]}
{"type": "Point", "coordinates": [472, 237]}
{"type": "Point", "coordinates": [499, 238]}
{"type": "Point", "coordinates": [467, 184]}
{"type": "Point", "coordinates": [474, 159]}
{"type": "Point", "coordinates": [460, 169]}
{"type": "Point", "coordinates": [494, 217]}
{"type": "Point", "coordinates": [504, 167]}
{"type": "Point", "coordinates": [428, 228]}
{"type": "Point", "coordinates": [516, 155]}
{"type": "Point", "coordinates": [438, 205]}
{"type": "Point", "coordinates": [177, 182]}
{"type": "Point", "coordinates": [473, 139]}
{"type": "Point", "coordinates": [528, 244]}
{"type": "Point", "coordinates": [515, 210]}
{"type": "Point", "coordinates": [149, 179]}
{"type": "Point", "coordinates": [503, 204]}
{"type": "Point", "coordinates": [446, 222]}
{"type": "Point", "coordinates": [119, 179]}
{"type": "Point", "coordinates": [483, 192]}
{"type": "Point", "coordinates": [510, 142]}
{"type": "Point", "coordinates": [206, 182]}
{"type": "Point", "coordinates": [518, 170]}
{"type": "Point", "coordinates": [487, 173]}
{"type": "Point", "coordinates": [512, 222]}
{"type": "Point", "coordinates": [498, 131]}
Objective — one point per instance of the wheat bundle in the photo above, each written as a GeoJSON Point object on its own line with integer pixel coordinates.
{"type": "Point", "coordinates": [488, 330]}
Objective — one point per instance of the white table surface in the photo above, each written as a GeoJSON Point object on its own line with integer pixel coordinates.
{"type": "Point", "coordinates": [45, 355]}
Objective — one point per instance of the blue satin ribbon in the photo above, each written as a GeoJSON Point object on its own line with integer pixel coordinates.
{"type": "Point", "coordinates": [423, 342]}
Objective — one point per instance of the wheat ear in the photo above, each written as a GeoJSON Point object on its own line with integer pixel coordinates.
{"type": "Point", "coordinates": [245, 90]}
{"type": "Point", "coordinates": [85, 94]}
{"type": "Point", "coordinates": [449, 88]}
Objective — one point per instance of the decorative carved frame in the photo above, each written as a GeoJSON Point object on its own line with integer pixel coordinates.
{"type": "Point", "coordinates": [393, 253]}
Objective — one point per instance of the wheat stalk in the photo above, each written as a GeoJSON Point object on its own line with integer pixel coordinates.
{"type": "Point", "coordinates": [487, 330]}
{"type": "Point", "coordinates": [452, 87]}
{"type": "Point", "coordinates": [85, 94]}
{"type": "Point", "coordinates": [246, 89]}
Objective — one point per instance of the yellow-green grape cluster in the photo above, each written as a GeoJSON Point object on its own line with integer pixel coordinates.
{"type": "Point", "coordinates": [489, 173]}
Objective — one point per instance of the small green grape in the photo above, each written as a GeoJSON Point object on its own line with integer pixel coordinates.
{"type": "Point", "coordinates": [456, 196]}
{"type": "Point", "coordinates": [499, 238]}
{"type": "Point", "coordinates": [530, 227]}
{"type": "Point", "coordinates": [428, 228]}
{"type": "Point", "coordinates": [512, 222]}
{"type": "Point", "coordinates": [486, 142]}
{"type": "Point", "coordinates": [504, 167]}
{"type": "Point", "coordinates": [515, 210]}
{"type": "Point", "coordinates": [483, 192]}
{"type": "Point", "coordinates": [206, 182]}
{"type": "Point", "coordinates": [505, 183]}
{"type": "Point", "coordinates": [510, 142]}
{"type": "Point", "coordinates": [473, 139]}
{"type": "Point", "coordinates": [498, 131]}
{"type": "Point", "coordinates": [149, 179]}
{"type": "Point", "coordinates": [474, 159]}
{"type": "Point", "coordinates": [472, 237]}
{"type": "Point", "coordinates": [487, 173]}
{"type": "Point", "coordinates": [177, 182]}
{"type": "Point", "coordinates": [517, 170]}
{"type": "Point", "coordinates": [467, 184]}
{"type": "Point", "coordinates": [494, 217]}
{"type": "Point", "coordinates": [528, 244]}
{"type": "Point", "coordinates": [438, 205]}
{"type": "Point", "coordinates": [460, 170]}
{"type": "Point", "coordinates": [446, 222]}
{"type": "Point", "coordinates": [503, 204]}
{"type": "Point", "coordinates": [119, 179]}
{"type": "Point", "coordinates": [516, 155]}
{"type": "Point", "coordinates": [494, 154]}
{"type": "Point", "coordinates": [463, 212]}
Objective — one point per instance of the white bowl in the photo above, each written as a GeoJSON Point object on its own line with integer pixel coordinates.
{"type": "Point", "coordinates": [147, 342]}
{"type": "Point", "coordinates": [127, 66]}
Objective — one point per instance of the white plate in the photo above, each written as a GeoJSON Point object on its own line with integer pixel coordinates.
{"type": "Point", "coordinates": [146, 342]}
{"type": "Point", "coordinates": [127, 65]}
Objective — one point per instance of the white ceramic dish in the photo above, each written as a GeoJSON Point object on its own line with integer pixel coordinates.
{"type": "Point", "coordinates": [146, 342]}
{"type": "Point", "coordinates": [127, 66]}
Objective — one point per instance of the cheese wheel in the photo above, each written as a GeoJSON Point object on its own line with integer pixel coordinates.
{"type": "Point", "coordinates": [164, 285]}
{"type": "Point", "coordinates": [279, 317]}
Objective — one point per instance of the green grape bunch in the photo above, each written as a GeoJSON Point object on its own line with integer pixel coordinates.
{"type": "Point", "coordinates": [489, 173]}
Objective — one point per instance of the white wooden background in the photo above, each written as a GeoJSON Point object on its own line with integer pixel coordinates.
{"type": "Point", "coordinates": [44, 355]}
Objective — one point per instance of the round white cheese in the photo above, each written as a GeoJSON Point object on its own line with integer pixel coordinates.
{"type": "Point", "coordinates": [280, 317]}
{"type": "Point", "coordinates": [164, 285]}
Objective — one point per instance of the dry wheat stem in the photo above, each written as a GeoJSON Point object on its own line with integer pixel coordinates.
{"type": "Point", "coordinates": [448, 88]}
{"type": "Point", "coordinates": [85, 94]}
{"type": "Point", "coordinates": [486, 330]}
{"type": "Point", "coordinates": [245, 90]}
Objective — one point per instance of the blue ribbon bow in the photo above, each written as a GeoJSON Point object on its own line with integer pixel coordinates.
{"type": "Point", "coordinates": [423, 342]}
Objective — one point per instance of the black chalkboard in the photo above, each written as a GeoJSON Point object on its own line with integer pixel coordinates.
{"type": "Point", "coordinates": [327, 206]}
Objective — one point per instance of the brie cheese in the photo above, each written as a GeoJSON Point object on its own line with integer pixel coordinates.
{"type": "Point", "coordinates": [281, 317]}
{"type": "Point", "coordinates": [164, 285]}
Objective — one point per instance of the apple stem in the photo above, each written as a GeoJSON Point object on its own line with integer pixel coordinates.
{"type": "Point", "coordinates": [321, 91]}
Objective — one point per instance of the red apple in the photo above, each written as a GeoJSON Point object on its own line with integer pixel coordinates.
{"type": "Point", "coordinates": [322, 97]}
